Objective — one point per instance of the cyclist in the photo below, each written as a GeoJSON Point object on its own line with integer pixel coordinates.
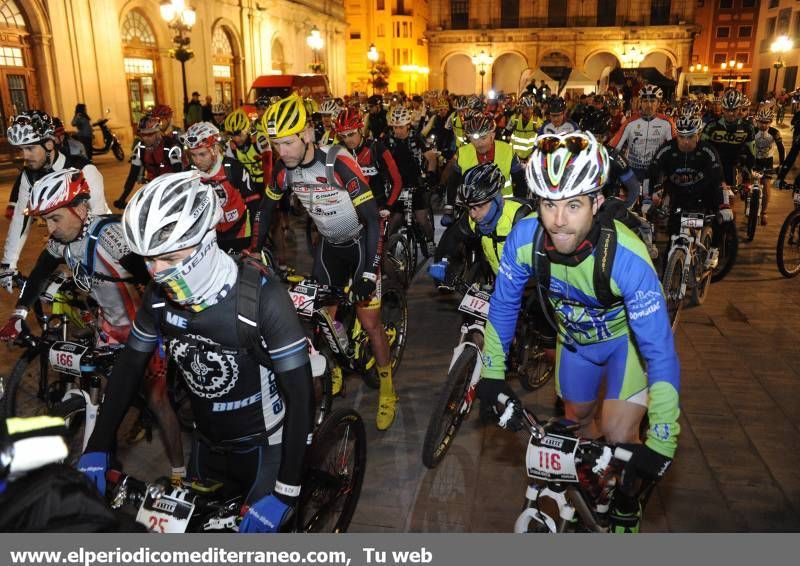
{"type": "Point", "coordinates": [346, 216]}
{"type": "Point", "coordinates": [557, 123]}
{"type": "Point", "coordinates": [417, 166]}
{"type": "Point", "coordinates": [639, 139]}
{"type": "Point", "coordinates": [375, 161]}
{"type": "Point", "coordinates": [262, 104]}
{"type": "Point", "coordinates": [455, 122]}
{"type": "Point", "coordinates": [152, 155]}
{"type": "Point", "coordinates": [164, 114]}
{"type": "Point", "coordinates": [218, 113]}
{"type": "Point", "coordinates": [732, 137]}
{"type": "Point", "coordinates": [230, 180]}
{"type": "Point", "coordinates": [523, 127]}
{"type": "Point", "coordinates": [251, 148]}
{"type": "Point", "coordinates": [596, 340]}
{"type": "Point", "coordinates": [766, 138]}
{"type": "Point", "coordinates": [252, 421]}
{"type": "Point", "coordinates": [325, 133]}
{"type": "Point", "coordinates": [66, 143]}
{"type": "Point", "coordinates": [436, 129]}
{"type": "Point", "coordinates": [376, 124]}
{"type": "Point", "coordinates": [33, 132]}
{"type": "Point", "coordinates": [102, 265]}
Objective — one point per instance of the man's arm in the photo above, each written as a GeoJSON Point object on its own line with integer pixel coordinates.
{"type": "Point", "coordinates": [390, 172]}
{"type": "Point", "coordinates": [97, 195]}
{"type": "Point", "coordinates": [46, 264]}
{"type": "Point", "coordinates": [348, 174]}
{"type": "Point", "coordinates": [19, 227]}
{"type": "Point", "coordinates": [776, 135]}
{"type": "Point", "coordinates": [519, 184]}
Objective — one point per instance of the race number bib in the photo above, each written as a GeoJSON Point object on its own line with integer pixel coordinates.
{"type": "Point", "coordinates": [552, 458]}
{"type": "Point", "coordinates": [303, 295]}
{"type": "Point", "coordinates": [692, 220]}
{"type": "Point", "coordinates": [796, 197]}
{"type": "Point", "coordinates": [475, 303]}
{"type": "Point", "coordinates": [165, 514]}
{"type": "Point", "coordinates": [65, 357]}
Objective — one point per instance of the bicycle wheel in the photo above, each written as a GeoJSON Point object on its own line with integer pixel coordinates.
{"type": "Point", "coordinates": [397, 260]}
{"type": "Point", "coordinates": [673, 277]}
{"type": "Point", "coordinates": [22, 395]}
{"type": "Point", "coordinates": [788, 252]}
{"type": "Point", "coordinates": [752, 215]}
{"type": "Point", "coordinates": [73, 411]}
{"type": "Point", "coordinates": [118, 152]}
{"type": "Point", "coordinates": [728, 246]}
{"type": "Point", "coordinates": [701, 284]}
{"type": "Point", "coordinates": [527, 359]}
{"type": "Point", "coordinates": [336, 463]}
{"type": "Point", "coordinates": [448, 413]}
{"type": "Point", "coordinates": [394, 314]}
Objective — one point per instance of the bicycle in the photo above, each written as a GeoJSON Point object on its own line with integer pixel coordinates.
{"type": "Point", "coordinates": [332, 480]}
{"type": "Point", "coordinates": [573, 479]}
{"type": "Point", "coordinates": [788, 249]}
{"type": "Point", "coordinates": [526, 359]}
{"type": "Point", "coordinates": [343, 341]}
{"type": "Point", "coordinates": [753, 194]}
{"type": "Point", "coordinates": [409, 241]}
{"type": "Point", "coordinates": [690, 262]}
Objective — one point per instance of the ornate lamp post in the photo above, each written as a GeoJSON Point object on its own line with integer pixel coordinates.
{"type": "Point", "coordinates": [315, 42]}
{"type": "Point", "coordinates": [732, 66]}
{"type": "Point", "coordinates": [180, 20]}
{"type": "Point", "coordinates": [781, 45]}
{"type": "Point", "coordinates": [481, 61]}
{"type": "Point", "coordinates": [373, 56]}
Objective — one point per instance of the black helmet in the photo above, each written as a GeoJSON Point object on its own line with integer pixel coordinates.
{"type": "Point", "coordinates": [556, 104]}
{"type": "Point", "coordinates": [375, 100]}
{"type": "Point", "coordinates": [481, 184]}
{"type": "Point", "coordinates": [597, 122]}
{"type": "Point", "coordinates": [478, 125]}
{"type": "Point", "coordinates": [262, 102]}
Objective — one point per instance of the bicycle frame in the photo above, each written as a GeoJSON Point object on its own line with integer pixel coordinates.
{"type": "Point", "coordinates": [688, 240]}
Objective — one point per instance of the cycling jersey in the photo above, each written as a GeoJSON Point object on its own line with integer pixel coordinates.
{"type": "Point", "coordinates": [252, 156]}
{"type": "Point", "coordinates": [147, 163]}
{"type": "Point", "coordinates": [589, 331]}
{"type": "Point", "coordinates": [523, 134]}
{"type": "Point", "coordinates": [455, 123]}
{"type": "Point", "coordinates": [640, 138]}
{"type": "Point", "coordinates": [567, 127]}
{"type": "Point", "coordinates": [692, 179]}
{"type": "Point", "coordinates": [765, 141]}
{"type": "Point", "coordinates": [231, 181]}
{"type": "Point", "coordinates": [376, 124]}
{"type": "Point", "coordinates": [20, 224]}
{"type": "Point", "coordinates": [379, 167]}
{"type": "Point", "coordinates": [409, 156]}
{"type": "Point", "coordinates": [735, 144]}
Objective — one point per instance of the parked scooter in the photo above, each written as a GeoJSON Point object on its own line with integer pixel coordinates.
{"type": "Point", "coordinates": [110, 141]}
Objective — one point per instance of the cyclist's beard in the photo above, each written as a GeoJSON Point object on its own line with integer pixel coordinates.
{"type": "Point", "coordinates": [201, 280]}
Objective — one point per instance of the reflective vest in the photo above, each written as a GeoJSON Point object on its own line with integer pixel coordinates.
{"type": "Point", "coordinates": [503, 155]}
{"type": "Point", "coordinates": [458, 131]}
{"type": "Point", "coordinates": [493, 244]}
{"type": "Point", "coordinates": [523, 135]}
{"type": "Point", "coordinates": [250, 160]}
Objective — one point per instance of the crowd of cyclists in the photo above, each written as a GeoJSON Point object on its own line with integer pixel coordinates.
{"type": "Point", "coordinates": [556, 197]}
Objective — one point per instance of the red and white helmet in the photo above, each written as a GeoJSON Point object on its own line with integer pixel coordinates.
{"type": "Point", "coordinates": [567, 165]}
{"type": "Point", "coordinates": [56, 190]}
{"type": "Point", "coordinates": [201, 134]}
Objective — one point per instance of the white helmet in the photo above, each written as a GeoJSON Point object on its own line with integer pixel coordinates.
{"type": "Point", "coordinates": [330, 108]}
{"type": "Point", "coordinates": [57, 189]}
{"type": "Point", "coordinates": [172, 212]}
{"type": "Point", "coordinates": [201, 134]}
{"type": "Point", "coordinates": [29, 128]}
{"type": "Point", "coordinates": [399, 116]}
{"type": "Point", "coordinates": [567, 165]}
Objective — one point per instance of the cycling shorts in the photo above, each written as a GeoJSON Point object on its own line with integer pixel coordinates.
{"type": "Point", "coordinates": [337, 264]}
{"type": "Point", "coordinates": [243, 470]}
{"type": "Point", "coordinates": [580, 373]}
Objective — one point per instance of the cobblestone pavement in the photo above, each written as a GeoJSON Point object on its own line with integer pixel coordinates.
{"type": "Point", "coordinates": [738, 464]}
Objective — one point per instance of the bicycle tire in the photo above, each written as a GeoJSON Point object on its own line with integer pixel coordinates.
{"type": "Point", "coordinates": [118, 152]}
{"type": "Point", "coordinates": [673, 277]}
{"type": "Point", "coordinates": [446, 419]}
{"type": "Point", "coordinates": [22, 386]}
{"type": "Point", "coordinates": [73, 411]}
{"type": "Point", "coordinates": [791, 230]}
{"type": "Point", "coordinates": [700, 288]}
{"type": "Point", "coordinates": [527, 359]}
{"type": "Point", "coordinates": [752, 217]}
{"type": "Point", "coordinates": [397, 261]}
{"type": "Point", "coordinates": [333, 485]}
{"type": "Point", "coordinates": [728, 246]}
{"type": "Point", "coordinates": [394, 314]}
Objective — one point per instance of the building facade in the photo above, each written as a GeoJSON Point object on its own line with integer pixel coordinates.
{"type": "Point", "coordinates": [397, 29]}
{"type": "Point", "coordinates": [589, 38]}
{"type": "Point", "coordinates": [114, 55]}
{"type": "Point", "coordinates": [774, 71]}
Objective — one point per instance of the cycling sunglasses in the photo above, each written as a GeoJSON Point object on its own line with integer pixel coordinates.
{"type": "Point", "coordinates": [192, 140]}
{"type": "Point", "coordinates": [574, 143]}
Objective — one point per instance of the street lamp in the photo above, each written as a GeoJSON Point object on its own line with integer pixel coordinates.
{"type": "Point", "coordinates": [315, 42]}
{"type": "Point", "coordinates": [373, 56]}
{"type": "Point", "coordinates": [732, 66]}
{"type": "Point", "coordinates": [781, 45]}
{"type": "Point", "coordinates": [481, 61]}
{"type": "Point", "coordinates": [180, 20]}
{"type": "Point", "coordinates": [631, 57]}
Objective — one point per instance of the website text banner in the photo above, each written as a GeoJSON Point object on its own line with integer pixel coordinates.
{"type": "Point", "coordinates": [393, 550]}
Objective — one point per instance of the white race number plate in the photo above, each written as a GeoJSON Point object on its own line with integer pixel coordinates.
{"type": "Point", "coordinates": [552, 458]}
{"type": "Point", "coordinates": [65, 357]}
{"type": "Point", "coordinates": [692, 221]}
{"type": "Point", "coordinates": [167, 514]}
{"type": "Point", "coordinates": [796, 197]}
{"type": "Point", "coordinates": [475, 303]}
{"type": "Point", "coordinates": [303, 296]}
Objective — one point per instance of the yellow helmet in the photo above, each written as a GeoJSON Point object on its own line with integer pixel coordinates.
{"type": "Point", "coordinates": [285, 118]}
{"type": "Point", "coordinates": [236, 122]}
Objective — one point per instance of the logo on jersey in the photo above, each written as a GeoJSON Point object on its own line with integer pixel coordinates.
{"type": "Point", "coordinates": [644, 304]}
{"type": "Point", "coordinates": [208, 373]}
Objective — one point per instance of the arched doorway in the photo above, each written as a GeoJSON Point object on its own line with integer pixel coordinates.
{"type": "Point", "coordinates": [459, 75]}
{"type": "Point", "coordinates": [660, 61]}
{"type": "Point", "coordinates": [224, 68]}
{"type": "Point", "coordinates": [18, 90]}
{"type": "Point", "coordinates": [506, 72]}
{"type": "Point", "coordinates": [278, 57]}
{"type": "Point", "coordinates": [598, 67]}
{"type": "Point", "coordinates": [140, 57]}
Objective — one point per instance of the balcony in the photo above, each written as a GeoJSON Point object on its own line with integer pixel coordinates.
{"type": "Point", "coordinates": [460, 22]}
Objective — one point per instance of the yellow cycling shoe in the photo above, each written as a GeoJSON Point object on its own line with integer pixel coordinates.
{"type": "Point", "coordinates": [387, 405]}
{"type": "Point", "coordinates": [336, 380]}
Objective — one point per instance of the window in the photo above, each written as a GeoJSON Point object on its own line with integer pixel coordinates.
{"type": "Point", "coordinates": [9, 12]}
{"type": "Point", "coordinates": [381, 31]}
{"type": "Point", "coordinates": [723, 31]}
{"type": "Point", "coordinates": [725, 4]}
{"type": "Point", "coordinates": [748, 3]}
{"type": "Point", "coordinates": [797, 24]}
{"type": "Point", "coordinates": [136, 66]}
{"type": "Point", "coordinates": [743, 58]}
{"type": "Point", "coordinates": [745, 31]}
{"type": "Point", "coordinates": [19, 93]}
{"type": "Point", "coordinates": [221, 71]}
{"type": "Point", "coordinates": [509, 13]}
{"type": "Point", "coordinates": [11, 57]}
{"type": "Point", "coordinates": [221, 43]}
{"type": "Point", "coordinates": [380, 5]}
{"type": "Point", "coordinates": [606, 13]}
{"type": "Point", "coordinates": [557, 13]}
{"type": "Point", "coordinates": [135, 28]}
{"type": "Point", "coordinates": [720, 58]}
{"type": "Point", "coordinates": [790, 77]}
{"type": "Point", "coordinates": [659, 12]}
{"type": "Point", "coordinates": [773, 4]}
{"type": "Point", "coordinates": [459, 14]}
{"type": "Point", "coordinates": [770, 27]}
{"type": "Point", "coordinates": [784, 18]}
{"type": "Point", "coordinates": [355, 35]}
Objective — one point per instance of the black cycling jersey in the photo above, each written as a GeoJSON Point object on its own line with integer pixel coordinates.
{"type": "Point", "coordinates": [692, 179]}
{"type": "Point", "coordinates": [735, 144]}
{"type": "Point", "coordinates": [407, 154]}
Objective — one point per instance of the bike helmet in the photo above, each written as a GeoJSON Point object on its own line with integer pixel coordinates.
{"type": "Point", "coordinates": [329, 107]}
{"type": "Point", "coordinates": [262, 102]}
{"type": "Point", "coordinates": [567, 165]}
{"type": "Point", "coordinates": [172, 212]}
{"type": "Point", "coordinates": [460, 103]}
{"type": "Point", "coordinates": [148, 124]}
{"type": "Point", "coordinates": [764, 114]}
{"type": "Point", "coordinates": [29, 128]}
{"type": "Point", "coordinates": [55, 190]}
{"type": "Point", "coordinates": [375, 100]}
{"type": "Point", "coordinates": [555, 105]}
{"type": "Point", "coordinates": [162, 112]}
{"type": "Point", "coordinates": [481, 184]}
{"type": "Point", "coordinates": [527, 101]}
{"type": "Point", "coordinates": [691, 109]}
{"type": "Point", "coordinates": [689, 124]}
{"type": "Point", "coordinates": [237, 122]}
{"type": "Point", "coordinates": [219, 109]}
{"type": "Point", "coordinates": [348, 120]}
{"type": "Point", "coordinates": [58, 126]}
{"type": "Point", "coordinates": [285, 118]}
{"type": "Point", "coordinates": [474, 102]}
{"type": "Point", "coordinates": [201, 134]}
{"type": "Point", "coordinates": [441, 103]}
{"type": "Point", "coordinates": [651, 92]}
{"type": "Point", "coordinates": [731, 100]}
{"type": "Point", "coordinates": [399, 116]}
{"type": "Point", "coordinates": [478, 125]}
{"type": "Point", "coordinates": [597, 122]}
